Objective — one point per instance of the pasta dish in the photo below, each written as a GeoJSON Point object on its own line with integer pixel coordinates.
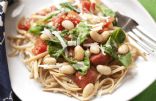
{"type": "Point", "coordinates": [75, 48]}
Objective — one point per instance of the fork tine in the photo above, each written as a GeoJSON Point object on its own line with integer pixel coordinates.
{"type": "Point", "coordinates": [144, 39]}
{"type": "Point", "coordinates": [143, 45]}
{"type": "Point", "coordinates": [154, 41]}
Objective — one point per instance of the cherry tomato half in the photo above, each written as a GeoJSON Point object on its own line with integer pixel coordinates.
{"type": "Point", "coordinates": [83, 80]}
{"type": "Point", "coordinates": [40, 47]}
{"type": "Point", "coordinates": [24, 24]}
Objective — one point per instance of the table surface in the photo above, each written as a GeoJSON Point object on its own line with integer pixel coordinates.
{"type": "Point", "coordinates": [150, 93]}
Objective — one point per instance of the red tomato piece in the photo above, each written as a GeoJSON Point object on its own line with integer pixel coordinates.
{"type": "Point", "coordinates": [24, 24]}
{"type": "Point", "coordinates": [86, 6]}
{"type": "Point", "coordinates": [58, 21]}
{"type": "Point", "coordinates": [100, 59]}
{"type": "Point", "coordinates": [73, 17]}
{"type": "Point", "coordinates": [92, 7]}
{"type": "Point", "coordinates": [83, 80]}
{"type": "Point", "coordinates": [40, 47]}
{"type": "Point", "coordinates": [106, 25]}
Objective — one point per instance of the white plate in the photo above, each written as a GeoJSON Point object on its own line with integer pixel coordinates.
{"type": "Point", "coordinates": [29, 90]}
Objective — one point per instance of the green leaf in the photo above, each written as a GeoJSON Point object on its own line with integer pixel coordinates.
{"type": "Point", "coordinates": [110, 48]}
{"type": "Point", "coordinates": [74, 32]}
{"type": "Point", "coordinates": [54, 48]}
{"type": "Point", "coordinates": [119, 36]}
{"type": "Point", "coordinates": [105, 10]}
{"type": "Point", "coordinates": [64, 32]}
{"type": "Point", "coordinates": [83, 31]}
{"type": "Point", "coordinates": [49, 17]}
{"type": "Point", "coordinates": [70, 60]}
{"type": "Point", "coordinates": [81, 66]}
{"type": "Point", "coordinates": [68, 6]}
{"type": "Point", "coordinates": [80, 33]}
{"type": "Point", "coordinates": [125, 59]}
{"type": "Point", "coordinates": [49, 27]}
{"type": "Point", "coordinates": [36, 30]}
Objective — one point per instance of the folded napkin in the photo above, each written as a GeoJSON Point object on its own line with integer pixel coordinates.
{"type": "Point", "coordinates": [5, 87]}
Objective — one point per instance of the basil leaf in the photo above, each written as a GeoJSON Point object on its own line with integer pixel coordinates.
{"type": "Point", "coordinates": [105, 10]}
{"type": "Point", "coordinates": [36, 30]}
{"type": "Point", "coordinates": [68, 7]}
{"type": "Point", "coordinates": [54, 48]}
{"type": "Point", "coordinates": [125, 59]}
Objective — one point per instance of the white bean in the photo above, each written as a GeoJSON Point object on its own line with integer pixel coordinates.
{"type": "Point", "coordinates": [95, 49]}
{"type": "Point", "coordinates": [103, 69]}
{"type": "Point", "coordinates": [44, 37]}
{"type": "Point", "coordinates": [99, 37]}
{"type": "Point", "coordinates": [67, 69]}
{"type": "Point", "coordinates": [49, 60]}
{"type": "Point", "coordinates": [123, 49]}
{"type": "Point", "coordinates": [96, 36]}
{"type": "Point", "coordinates": [78, 53]}
{"type": "Point", "coordinates": [67, 24]}
{"type": "Point", "coordinates": [88, 90]}
{"type": "Point", "coordinates": [105, 35]}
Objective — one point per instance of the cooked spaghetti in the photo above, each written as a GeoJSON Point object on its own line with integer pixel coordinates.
{"type": "Point", "coordinates": [74, 49]}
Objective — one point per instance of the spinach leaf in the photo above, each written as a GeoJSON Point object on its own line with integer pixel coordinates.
{"type": "Point", "coordinates": [81, 66]}
{"type": "Point", "coordinates": [49, 27]}
{"type": "Point", "coordinates": [83, 31]}
{"type": "Point", "coordinates": [80, 33]}
{"type": "Point", "coordinates": [125, 59]}
{"type": "Point", "coordinates": [74, 32]}
{"type": "Point", "coordinates": [105, 10]}
{"type": "Point", "coordinates": [54, 48]}
{"type": "Point", "coordinates": [36, 30]}
{"type": "Point", "coordinates": [110, 48]}
{"type": "Point", "coordinates": [68, 59]}
{"type": "Point", "coordinates": [68, 7]}
{"type": "Point", "coordinates": [50, 16]}
{"type": "Point", "coordinates": [117, 37]}
{"type": "Point", "coordinates": [64, 32]}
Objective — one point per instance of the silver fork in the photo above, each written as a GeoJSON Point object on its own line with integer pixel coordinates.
{"type": "Point", "coordinates": [131, 27]}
